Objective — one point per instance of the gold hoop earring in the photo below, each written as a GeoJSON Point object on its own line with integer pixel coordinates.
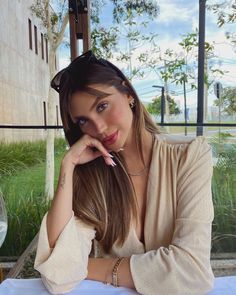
{"type": "Point", "coordinates": [132, 103]}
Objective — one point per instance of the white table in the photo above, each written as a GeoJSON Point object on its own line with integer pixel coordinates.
{"type": "Point", "coordinates": [36, 287]}
{"type": "Point", "coordinates": [223, 286]}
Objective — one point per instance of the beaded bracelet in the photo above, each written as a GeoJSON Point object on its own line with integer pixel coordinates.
{"type": "Point", "coordinates": [115, 272]}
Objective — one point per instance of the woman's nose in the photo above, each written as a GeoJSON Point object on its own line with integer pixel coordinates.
{"type": "Point", "coordinates": [100, 125]}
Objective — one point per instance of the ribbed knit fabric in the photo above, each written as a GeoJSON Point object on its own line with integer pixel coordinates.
{"type": "Point", "coordinates": [175, 258]}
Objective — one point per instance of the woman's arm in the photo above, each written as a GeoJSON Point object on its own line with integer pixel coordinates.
{"type": "Point", "coordinates": [61, 209]}
{"type": "Point", "coordinates": [183, 267]}
{"type": "Point", "coordinates": [65, 265]}
{"type": "Point", "coordinates": [100, 269]}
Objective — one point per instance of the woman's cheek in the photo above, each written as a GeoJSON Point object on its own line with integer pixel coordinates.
{"type": "Point", "coordinates": [116, 115]}
{"type": "Point", "coordinates": [121, 112]}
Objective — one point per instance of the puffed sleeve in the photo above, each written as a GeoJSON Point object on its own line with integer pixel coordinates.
{"type": "Point", "coordinates": [183, 268]}
{"type": "Point", "coordinates": [65, 265]}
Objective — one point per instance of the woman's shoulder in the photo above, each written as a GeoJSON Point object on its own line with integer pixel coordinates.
{"type": "Point", "coordinates": [176, 139]}
{"type": "Point", "coordinates": [180, 140]}
{"type": "Point", "coordinates": [179, 145]}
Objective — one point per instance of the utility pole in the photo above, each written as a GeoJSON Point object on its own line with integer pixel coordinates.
{"type": "Point", "coordinates": [79, 20]}
{"type": "Point", "coordinates": [218, 93]}
{"type": "Point", "coordinates": [206, 91]}
{"type": "Point", "coordinates": [162, 102]}
{"type": "Point", "coordinates": [185, 110]}
{"type": "Point", "coordinates": [167, 109]}
{"type": "Point", "coordinates": [201, 60]}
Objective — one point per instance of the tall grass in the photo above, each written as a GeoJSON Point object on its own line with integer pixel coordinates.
{"type": "Point", "coordinates": [16, 156]}
{"type": "Point", "coordinates": [224, 194]}
{"type": "Point", "coordinates": [22, 184]}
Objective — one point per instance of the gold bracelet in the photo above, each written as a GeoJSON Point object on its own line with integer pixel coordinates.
{"type": "Point", "coordinates": [115, 272]}
{"type": "Point", "coordinates": [107, 272]}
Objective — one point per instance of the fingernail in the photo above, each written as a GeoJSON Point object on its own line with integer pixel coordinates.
{"type": "Point", "coordinates": [110, 155]}
{"type": "Point", "coordinates": [109, 161]}
{"type": "Point", "coordinates": [121, 149]}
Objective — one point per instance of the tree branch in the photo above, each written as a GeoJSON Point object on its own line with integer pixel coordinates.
{"type": "Point", "coordinates": [48, 20]}
{"type": "Point", "coordinates": [62, 30]}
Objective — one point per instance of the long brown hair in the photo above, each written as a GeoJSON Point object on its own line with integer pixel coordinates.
{"type": "Point", "coordinates": [107, 201]}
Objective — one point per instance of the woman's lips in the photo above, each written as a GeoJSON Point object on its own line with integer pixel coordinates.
{"type": "Point", "coordinates": [111, 139]}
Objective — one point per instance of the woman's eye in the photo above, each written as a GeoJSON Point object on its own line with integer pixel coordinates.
{"type": "Point", "coordinates": [81, 121]}
{"type": "Point", "coordinates": [102, 107]}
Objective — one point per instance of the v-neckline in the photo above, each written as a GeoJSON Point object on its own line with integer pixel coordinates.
{"type": "Point", "coordinates": [147, 194]}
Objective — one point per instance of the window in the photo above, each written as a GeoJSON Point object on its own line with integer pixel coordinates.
{"type": "Point", "coordinates": [30, 34]}
{"type": "Point", "coordinates": [42, 46]}
{"type": "Point", "coordinates": [46, 43]}
{"type": "Point", "coordinates": [36, 39]}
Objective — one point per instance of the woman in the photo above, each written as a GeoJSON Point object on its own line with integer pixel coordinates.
{"type": "Point", "coordinates": [133, 207]}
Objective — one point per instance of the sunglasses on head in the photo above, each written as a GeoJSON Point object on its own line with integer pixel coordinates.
{"type": "Point", "coordinates": [78, 65]}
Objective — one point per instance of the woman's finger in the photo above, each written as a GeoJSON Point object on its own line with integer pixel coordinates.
{"type": "Point", "coordinates": [101, 151]}
{"type": "Point", "coordinates": [97, 144]}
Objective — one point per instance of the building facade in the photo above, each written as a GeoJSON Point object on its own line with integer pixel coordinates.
{"type": "Point", "coordinates": [24, 72]}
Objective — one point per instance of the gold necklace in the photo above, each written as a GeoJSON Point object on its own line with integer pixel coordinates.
{"type": "Point", "coordinates": [144, 169]}
{"type": "Point", "coordinates": [139, 172]}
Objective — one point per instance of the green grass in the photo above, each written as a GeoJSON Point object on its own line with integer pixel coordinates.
{"type": "Point", "coordinates": [23, 191]}
{"type": "Point", "coordinates": [224, 195]}
{"type": "Point", "coordinates": [16, 156]}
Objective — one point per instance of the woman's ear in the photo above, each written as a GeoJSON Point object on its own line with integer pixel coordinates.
{"type": "Point", "coordinates": [130, 98]}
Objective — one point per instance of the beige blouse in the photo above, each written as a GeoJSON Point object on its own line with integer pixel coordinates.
{"type": "Point", "coordinates": [175, 258]}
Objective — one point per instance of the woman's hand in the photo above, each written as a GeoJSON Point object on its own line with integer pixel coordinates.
{"type": "Point", "coordinates": [87, 149]}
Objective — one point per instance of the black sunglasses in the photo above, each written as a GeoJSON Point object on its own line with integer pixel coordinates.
{"type": "Point", "coordinates": [78, 65]}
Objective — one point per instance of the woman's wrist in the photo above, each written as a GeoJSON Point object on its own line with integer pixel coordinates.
{"type": "Point", "coordinates": [108, 276]}
{"type": "Point", "coordinates": [101, 269]}
{"type": "Point", "coordinates": [67, 163]}
{"type": "Point", "coordinates": [105, 265]}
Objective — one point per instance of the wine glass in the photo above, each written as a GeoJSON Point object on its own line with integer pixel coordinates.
{"type": "Point", "coordinates": [3, 220]}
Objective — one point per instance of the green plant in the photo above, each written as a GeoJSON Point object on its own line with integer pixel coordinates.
{"type": "Point", "coordinates": [224, 194]}
{"type": "Point", "coordinates": [23, 190]}
{"type": "Point", "coordinates": [25, 206]}
{"type": "Point", "coordinates": [15, 156]}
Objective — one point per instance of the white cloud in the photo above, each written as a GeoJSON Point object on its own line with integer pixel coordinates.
{"type": "Point", "coordinates": [171, 11]}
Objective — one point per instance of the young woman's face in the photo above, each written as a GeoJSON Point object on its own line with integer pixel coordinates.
{"type": "Point", "coordinates": [107, 118]}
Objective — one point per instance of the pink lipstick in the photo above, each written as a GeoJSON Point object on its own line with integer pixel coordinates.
{"type": "Point", "coordinates": [111, 139]}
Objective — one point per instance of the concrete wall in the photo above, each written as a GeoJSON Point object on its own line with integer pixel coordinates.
{"type": "Point", "coordinates": [24, 75]}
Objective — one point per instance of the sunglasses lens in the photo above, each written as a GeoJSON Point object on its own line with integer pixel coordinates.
{"type": "Point", "coordinates": [76, 70]}
{"type": "Point", "coordinates": [76, 67]}
{"type": "Point", "coordinates": [56, 81]}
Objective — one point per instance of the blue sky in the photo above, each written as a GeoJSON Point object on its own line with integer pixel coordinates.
{"type": "Point", "coordinates": [178, 17]}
